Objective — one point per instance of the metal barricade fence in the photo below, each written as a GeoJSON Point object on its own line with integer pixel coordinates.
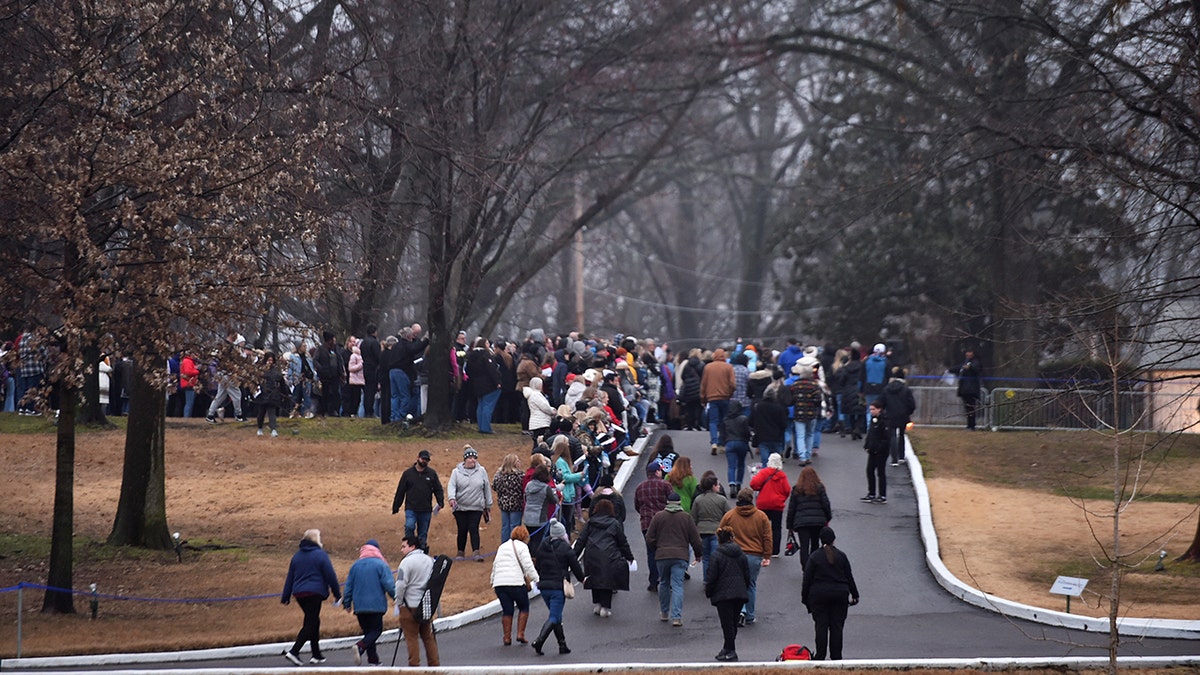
{"type": "Point", "coordinates": [1030, 408]}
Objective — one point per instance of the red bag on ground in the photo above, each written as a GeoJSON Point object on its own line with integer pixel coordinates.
{"type": "Point", "coordinates": [795, 653]}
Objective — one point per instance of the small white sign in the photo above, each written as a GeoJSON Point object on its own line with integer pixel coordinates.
{"type": "Point", "coordinates": [1068, 586]}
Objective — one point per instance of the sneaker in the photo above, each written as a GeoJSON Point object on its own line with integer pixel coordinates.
{"type": "Point", "coordinates": [274, 434]}
{"type": "Point", "coordinates": [727, 656]}
{"type": "Point", "coordinates": [662, 616]}
{"type": "Point", "coordinates": [895, 463]}
{"type": "Point", "coordinates": [317, 660]}
{"type": "Point", "coordinates": [741, 619]}
{"type": "Point", "coordinates": [605, 612]}
{"type": "Point", "coordinates": [260, 433]}
{"type": "Point", "coordinates": [677, 622]}
{"type": "Point", "coordinates": [653, 588]}
{"type": "Point", "coordinates": [240, 418]}
{"type": "Point", "coordinates": [358, 653]}
{"type": "Point", "coordinates": [294, 658]}
{"type": "Point", "coordinates": [714, 448]}
{"type": "Point", "coordinates": [903, 461]}
{"type": "Point", "coordinates": [596, 609]}
{"type": "Point", "coordinates": [213, 420]}
{"type": "Point", "coordinates": [749, 622]}
{"type": "Point", "coordinates": [868, 499]}
{"type": "Point", "coordinates": [308, 415]}
{"type": "Point", "coordinates": [881, 500]}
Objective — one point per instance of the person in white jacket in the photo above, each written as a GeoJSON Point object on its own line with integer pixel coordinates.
{"type": "Point", "coordinates": [513, 574]}
{"type": "Point", "coordinates": [469, 494]}
{"type": "Point", "coordinates": [540, 410]}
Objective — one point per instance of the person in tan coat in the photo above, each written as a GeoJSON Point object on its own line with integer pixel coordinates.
{"type": "Point", "coordinates": [717, 385]}
{"type": "Point", "coordinates": [752, 532]}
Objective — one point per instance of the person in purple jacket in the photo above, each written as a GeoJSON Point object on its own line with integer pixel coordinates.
{"type": "Point", "coordinates": [310, 579]}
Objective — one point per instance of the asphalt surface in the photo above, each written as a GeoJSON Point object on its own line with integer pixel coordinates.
{"type": "Point", "coordinates": [903, 613]}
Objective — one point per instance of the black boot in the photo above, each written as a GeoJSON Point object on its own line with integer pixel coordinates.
{"type": "Point", "coordinates": [541, 638]}
{"type": "Point", "coordinates": [562, 639]}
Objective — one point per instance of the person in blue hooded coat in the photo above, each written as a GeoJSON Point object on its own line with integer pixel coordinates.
{"type": "Point", "coordinates": [310, 579]}
{"type": "Point", "coordinates": [369, 584]}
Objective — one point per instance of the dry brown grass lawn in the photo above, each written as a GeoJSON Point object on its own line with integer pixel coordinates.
{"type": "Point", "coordinates": [254, 496]}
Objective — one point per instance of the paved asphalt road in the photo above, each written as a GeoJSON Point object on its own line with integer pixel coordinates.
{"type": "Point", "coordinates": [903, 612]}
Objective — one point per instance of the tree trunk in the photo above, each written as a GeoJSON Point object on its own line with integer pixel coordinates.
{"type": "Point", "coordinates": [438, 416]}
{"type": "Point", "coordinates": [92, 411]}
{"type": "Point", "coordinates": [1193, 552]}
{"type": "Point", "coordinates": [62, 537]}
{"type": "Point", "coordinates": [142, 510]}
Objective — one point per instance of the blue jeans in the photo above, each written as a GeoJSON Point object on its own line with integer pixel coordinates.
{"type": "Point", "coordinates": [803, 433]}
{"type": "Point", "coordinates": [508, 521]}
{"type": "Point", "coordinates": [716, 419]}
{"type": "Point", "coordinates": [189, 401]}
{"type": "Point", "coordinates": [555, 600]}
{"type": "Point", "coordinates": [417, 523]}
{"type": "Point", "coordinates": [708, 546]}
{"type": "Point", "coordinates": [670, 589]}
{"type": "Point", "coordinates": [24, 384]}
{"type": "Point", "coordinates": [401, 393]}
{"type": "Point", "coordinates": [735, 456]}
{"type": "Point", "coordinates": [755, 566]}
{"type": "Point", "coordinates": [484, 410]}
{"type": "Point", "coordinates": [765, 450]}
{"type": "Point", "coordinates": [10, 400]}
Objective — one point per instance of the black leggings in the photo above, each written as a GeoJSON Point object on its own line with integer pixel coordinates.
{"type": "Point", "coordinates": [311, 630]}
{"type": "Point", "coordinates": [468, 524]}
{"type": "Point", "coordinates": [810, 540]}
{"type": "Point", "coordinates": [727, 612]}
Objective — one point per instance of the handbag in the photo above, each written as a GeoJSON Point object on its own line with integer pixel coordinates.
{"type": "Point", "coordinates": [568, 589]}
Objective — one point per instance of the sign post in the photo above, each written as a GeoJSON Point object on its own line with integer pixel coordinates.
{"type": "Point", "coordinates": [1068, 586]}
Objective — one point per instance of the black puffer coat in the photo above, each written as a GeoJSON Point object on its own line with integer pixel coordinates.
{"type": "Point", "coordinates": [274, 388]}
{"type": "Point", "coordinates": [728, 575]}
{"type": "Point", "coordinates": [555, 563]}
{"type": "Point", "coordinates": [808, 510]}
{"type": "Point", "coordinates": [606, 554]}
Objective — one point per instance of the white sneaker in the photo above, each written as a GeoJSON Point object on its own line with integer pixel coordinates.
{"type": "Point", "coordinates": [274, 433]}
{"type": "Point", "coordinates": [605, 612]}
{"type": "Point", "coordinates": [260, 433]}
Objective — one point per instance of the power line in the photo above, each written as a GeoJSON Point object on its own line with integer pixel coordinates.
{"type": "Point", "coordinates": [664, 305]}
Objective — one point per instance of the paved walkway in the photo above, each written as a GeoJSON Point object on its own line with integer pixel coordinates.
{"type": "Point", "coordinates": [904, 613]}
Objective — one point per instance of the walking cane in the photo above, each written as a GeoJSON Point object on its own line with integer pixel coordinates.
{"type": "Point", "coordinates": [399, 637]}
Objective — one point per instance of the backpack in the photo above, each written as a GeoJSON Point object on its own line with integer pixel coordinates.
{"type": "Point", "coordinates": [425, 610]}
{"type": "Point", "coordinates": [795, 653]}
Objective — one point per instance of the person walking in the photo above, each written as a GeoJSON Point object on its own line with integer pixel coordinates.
{"type": "Point", "coordinates": [470, 498]}
{"type": "Point", "coordinates": [510, 495]}
{"type": "Point", "coordinates": [717, 384]}
{"type": "Point", "coordinates": [752, 533]}
{"type": "Point", "coordinates": [808, 511]}
{"type": "Point", "coordinates": [512, 573]}
{"type": "Point", "coordinates": [418, 487]}
{"type": "Point", "coordinates": [606, 556]}
{"type": "Point", "coordinates": [310, 579]}
{"type": "Point", "coordinates": [773, 488]}
{"type": "Point", "coordinates": [828, 591]}
{"type": "Point", "coordinates": [672, 531]}
{"type": "Point", "coordinates": [649, 498]}
{"type": "Point", "coordinates": [683, 480]}
{"type": "Point", "coordinates": [369, 584]}
{"type": "Point", "coordinates": [708, 508]}
{"type": "Point", "coordinates": [555, 564]}
{"type": "Point", "coordinates": [541, 502]}
{"type": "Point", "coordinates": [727, 587]}
{"type": "Point", "coordinates": [737, 442]}
{"type": "Point", "coordinates": [898, 407]}
{"type": "Point", "coordinates": [411, 577]}
{"type": "Point", "coordinates": [769, 422]}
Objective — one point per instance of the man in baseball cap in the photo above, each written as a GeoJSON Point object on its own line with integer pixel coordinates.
{"type": "Point", "coordinates": [418, 487]}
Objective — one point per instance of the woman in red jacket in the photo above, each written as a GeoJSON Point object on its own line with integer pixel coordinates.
{"type": "Point", "coordinates": [773, 488]}
{"type": "Point", "coordinates": [189, 378]}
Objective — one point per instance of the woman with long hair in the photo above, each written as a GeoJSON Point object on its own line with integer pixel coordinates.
{"type": "Point", "coordinates": [828, 591]}
{"type": "Point", "coordinates": [808, 511]}
{"type": "Point", "coordinates": [508, 484]}
{"type": "Point", "coordinates": [571, 481]}
{"type": "Point", "coordinates": [541, 500]}
{"type": "Point", "coordinates": [606, 556]}
{"type": "Point", "coordinates": [684, 481]}
{"type": "Point", "coordinates": [512, 574]}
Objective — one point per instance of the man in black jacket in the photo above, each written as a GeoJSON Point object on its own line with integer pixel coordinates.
{"type": "Point", "coordinates": [418, 487]}
{"type": "Point", "coordinates": [329, 367]}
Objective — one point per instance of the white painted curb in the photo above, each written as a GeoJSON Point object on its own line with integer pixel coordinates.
{"type": "Point", "coordinates": [1128, 627]}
